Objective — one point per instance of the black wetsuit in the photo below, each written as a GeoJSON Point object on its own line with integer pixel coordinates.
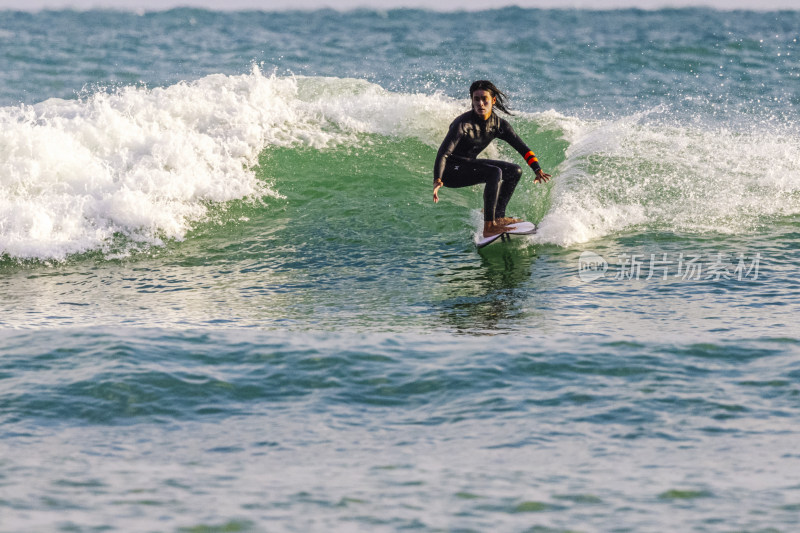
{"type": "Point", "coordinates": [457, 164]}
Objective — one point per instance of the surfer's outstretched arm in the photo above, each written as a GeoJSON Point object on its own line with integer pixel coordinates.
{"type": "Point", "coordinates": [511, 137]}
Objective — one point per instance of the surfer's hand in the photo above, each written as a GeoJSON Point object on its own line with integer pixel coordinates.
{"type": "Point", "coordinates": [436, 186]}
{"type": "Point", "coordinates": [541, 177]}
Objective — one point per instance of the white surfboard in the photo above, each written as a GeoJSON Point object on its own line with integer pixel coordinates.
{"type": "Point", "coordinates": [520, 228]}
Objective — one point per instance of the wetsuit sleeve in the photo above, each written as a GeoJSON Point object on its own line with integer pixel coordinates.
{"type": "Point", "coordinates": [446, 150]}
{"type": "Point", "coordinates": [511, 137]}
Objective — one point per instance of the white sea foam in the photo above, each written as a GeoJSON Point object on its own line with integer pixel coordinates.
{"type": "Point", "coordinates": [147, 163]}
{"type": "Point", "coordinates": [647, 171]}
{"type": "Point", "coordinates": [137, 162]}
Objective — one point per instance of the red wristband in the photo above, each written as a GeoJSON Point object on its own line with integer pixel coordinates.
{"type": "Point", "coordinates": [530, 158]}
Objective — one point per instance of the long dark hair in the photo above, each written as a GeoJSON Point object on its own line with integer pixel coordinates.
{"type": "Point", "coordinates": [486, 85]}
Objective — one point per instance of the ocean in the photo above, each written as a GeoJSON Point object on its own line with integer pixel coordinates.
{"type": "Point", "coordinates": [229, 303]}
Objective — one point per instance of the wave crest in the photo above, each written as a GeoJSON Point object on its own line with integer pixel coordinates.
{"type": "Point", "coordinates": [652, 171]}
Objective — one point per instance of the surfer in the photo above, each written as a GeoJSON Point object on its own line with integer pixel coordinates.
{"type": "Point", "coordinates": [457, 164]}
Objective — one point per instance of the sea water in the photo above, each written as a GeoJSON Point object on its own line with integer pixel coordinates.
{"type": "Point", "coordinates": [230, 304]}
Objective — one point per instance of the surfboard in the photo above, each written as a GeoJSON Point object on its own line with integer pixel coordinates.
{"type": "Point", "coordinates": [520, 228]}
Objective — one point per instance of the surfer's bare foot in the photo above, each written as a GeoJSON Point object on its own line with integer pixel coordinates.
{"type": "Point", "coordinates": [493, 228]}
{"type": "Point", "coordinates": [505, 221]}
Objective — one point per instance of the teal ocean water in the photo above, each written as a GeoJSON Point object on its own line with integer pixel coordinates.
{"type": "Point", "coordinates": [228, 303]}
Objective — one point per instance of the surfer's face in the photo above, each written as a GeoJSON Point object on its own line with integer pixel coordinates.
{"type": "Point", "coordinates": [482, 102]}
